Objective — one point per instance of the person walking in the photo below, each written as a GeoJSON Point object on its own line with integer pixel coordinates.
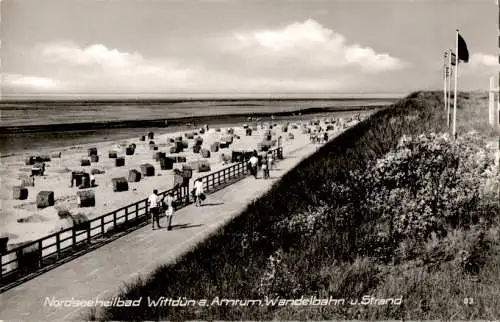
{"type": "Point", "coordinates": [154, 209]}
{"type": "Point", "coordinates": [265, 168]}
{"type": "Point", "coordinates": [169, 202]}
{"type": "Point", "coordinates": [92, 180]}
{"type": "Point", "coordinates": [198, 191]}
{"type": "Point", "coordinates": [270, 161]}
{"type": "Point", "coordinates": [254, 161]}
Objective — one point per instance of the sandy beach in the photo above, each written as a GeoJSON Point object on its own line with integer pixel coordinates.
{"type": "Point", "coordinates": [40, 222]}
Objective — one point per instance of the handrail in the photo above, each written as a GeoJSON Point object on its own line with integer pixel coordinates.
{"type": "Point", "coordinates": [106, 224]}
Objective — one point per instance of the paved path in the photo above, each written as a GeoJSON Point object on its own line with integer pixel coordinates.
{"type": "Point", "coordinates": [102, 272]}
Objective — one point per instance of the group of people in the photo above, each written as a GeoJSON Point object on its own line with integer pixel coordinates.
{"type": "Point", "coordinates": [165, 205]}
{"type": "Point", "coordinates": [159, 205]}
{"type": "Point", "coordinates": [266, 164]}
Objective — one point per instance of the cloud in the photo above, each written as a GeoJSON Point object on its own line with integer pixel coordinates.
{"type": "Point", "coordinates": [300, 56]}
{"type": "Point", "coordinates": [484, 60]}
{"type": "Point", "coordinates": [308, 46]}
{"type": "Point", "coordinates": [29, 82]}
{"type": "Point", "coordinates": [99, 66]}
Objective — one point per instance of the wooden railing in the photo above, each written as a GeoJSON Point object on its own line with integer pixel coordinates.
{"type": "Point", "coordinates": [36, 255]}
{"type": "Point", "coordinates": [214, 181]}
{"type": "Point", "coordinates": [47, 251]}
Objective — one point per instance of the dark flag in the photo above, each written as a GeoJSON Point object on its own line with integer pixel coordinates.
{"type": "Point", "coordinates": [463, 52]}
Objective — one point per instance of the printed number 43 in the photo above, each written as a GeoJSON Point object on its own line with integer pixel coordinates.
{"type": "Point", "coordinates": [468, 300]}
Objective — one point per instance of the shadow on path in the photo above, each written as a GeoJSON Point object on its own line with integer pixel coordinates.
{"type": "Point", "coordinates": [212, 204]}
{"type": "Point", "coordinates": [184, 226]}
{"type": "Point", "coordinates": [270, 177]}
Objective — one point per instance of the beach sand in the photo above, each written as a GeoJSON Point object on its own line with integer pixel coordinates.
{"type": "Point", "coordinates": [41, 222]}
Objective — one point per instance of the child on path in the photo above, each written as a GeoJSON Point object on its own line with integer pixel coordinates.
{"type": "Point", "coordinates": [265, 169]}
{"type": "Point", "coordinates": [169, 201]}
{"type": "Point", "coordinates": [270, 161]}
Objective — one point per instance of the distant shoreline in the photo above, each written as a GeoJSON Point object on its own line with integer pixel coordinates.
{"type": "Point", "coordinates": [134, 101]}
{"type": "Point", "coordinates": [167, 122]}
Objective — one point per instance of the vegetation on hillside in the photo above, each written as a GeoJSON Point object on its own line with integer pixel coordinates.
{"type": "Point", "coordinates": [392, 208]}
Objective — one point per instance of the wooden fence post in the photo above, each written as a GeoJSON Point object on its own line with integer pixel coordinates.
{"type": "Point", "coordinates": [40, 256]}
{"type": "Point", "coordinates": [74, 237]}
{"type": "Point", "coordinates": [58, 244]}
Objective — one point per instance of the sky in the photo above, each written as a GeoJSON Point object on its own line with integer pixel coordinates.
{"type": "Point", "coordinates": [178, 48]}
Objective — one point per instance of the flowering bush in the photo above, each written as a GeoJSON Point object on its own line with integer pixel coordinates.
{"type": "Point", "coordinates": [268, 277]}
{"type": "Point", "coordinates": [427, 183]}
{"type": "Point", "coordinates": [304, 223]}
{"type": "Point", "coordinates": [278, 279]}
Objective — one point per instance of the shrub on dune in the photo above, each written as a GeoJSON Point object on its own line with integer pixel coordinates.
{"type": "Point", "coordinates": [429, 183]}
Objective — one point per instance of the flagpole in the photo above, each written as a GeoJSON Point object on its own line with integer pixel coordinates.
{"type": "Point", "coordinates": [454, 132]}
{"type": "Point", "coordinates": [445, 81]}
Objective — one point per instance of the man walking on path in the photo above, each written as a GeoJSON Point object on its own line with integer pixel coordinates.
{"type": "Point", "coordinates": [198, 191]}
{"type": "Point", "coordinates": [154, 208]}
{"type": "Point", "coordinates": [265, 168]}
{"type": "Point", "coordinates": [254, 161]}
{"type": "Point", "coordinates": [270, 161]}
{"type": "Point", "coordinates": [169, 201]}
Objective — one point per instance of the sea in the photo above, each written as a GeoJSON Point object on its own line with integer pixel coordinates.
{"type": "Point", "coordinates": [26, 126]}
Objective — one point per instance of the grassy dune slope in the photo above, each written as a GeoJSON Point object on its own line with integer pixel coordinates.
{"type": "Point", "coordinates": [311, 235]}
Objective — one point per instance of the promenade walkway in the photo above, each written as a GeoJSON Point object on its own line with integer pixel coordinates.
{"type": "Point", "coordinates": [102, 272]}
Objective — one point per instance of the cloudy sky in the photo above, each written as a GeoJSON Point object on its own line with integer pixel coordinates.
{"type": "Point", "coordinates": [101, 48]}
